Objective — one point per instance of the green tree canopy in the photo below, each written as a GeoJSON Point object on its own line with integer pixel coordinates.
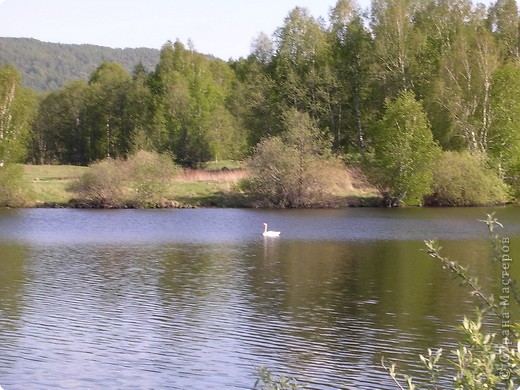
{"type": "Point", "coordinates": [57, 132]}
{"type": "Point", "coordinates": [504, 137]}
{"type": "Point", "coordinates": [103, 112]}
{"type": "Point", "coordinates": [352, 58]}
{"type": "Point", "coordinates": [302, 67]}
{"type": "Point", "coordinates": [17, 108]}
{"type": "Point", "coordinates": [457, 58]}
{"type": "Point", "coordinates": [193, 94]}
{"type": "Point", "coordinates": [503, 20]}
{"type": "Point", "coordinates": [404, 152]}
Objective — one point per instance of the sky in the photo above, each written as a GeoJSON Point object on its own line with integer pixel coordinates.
{"type": "Point", "coordinates": [223, 28]}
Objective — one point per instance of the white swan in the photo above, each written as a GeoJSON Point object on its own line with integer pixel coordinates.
{"type": "Point", "coordinates": [269, 233]}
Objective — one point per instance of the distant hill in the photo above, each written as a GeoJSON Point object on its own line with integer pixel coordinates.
{"type": "Point", "coordinates": [47, 66]}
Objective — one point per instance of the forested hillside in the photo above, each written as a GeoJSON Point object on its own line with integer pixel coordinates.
{"type": "Point", "coordinates": [409, 90]}
{"type": "Point", "coordinates": [48, 66]}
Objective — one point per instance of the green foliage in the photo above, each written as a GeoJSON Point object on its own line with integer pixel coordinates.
{"type": "Point", "coordinates": [293, 170]}
{"type": "Point", "coordinates": [352, 57]}
{"type": "Point", "coordinates": [395, 43]}
{"type": "Point", "coordinates": [304, 75]}
{"type": "Point", "coordinates": [404, 152]}
{"type": "Point", "coordinates": [301, 62]}
{"type": "Point", "coordinates": [503, 21]}
{"type": "Point", "coordinates": [268, 381]}
{"type": "Point", "coordinates": [111, 116]}
{"type": "Point", "coordinates": [17, 108]}
{"type": "Point", "coordinates": [142, 180]}
{"type": "Point", "coordinates": [14, 190]}
{"type": "Point", "coordinates": [57, 135]}
{"type": "Point", "coordinates": [142, 120]}
{"type": "Point", "coordinates": [477, 360]}
{"type": "Point", "coordinates": [47, 67]}
{"type": "Point", "coordinates": [463, 179]}
{"type": "Point", "coordinates": [505, 133]}
{"type": "Point", "coordinates": [193, 92]}
{"type": "Point", "coordinates": [103, 112]}
{"type": "Point", "coordinates": [459, 94]}
{"type": "Point", "coordinates": [253, 101]}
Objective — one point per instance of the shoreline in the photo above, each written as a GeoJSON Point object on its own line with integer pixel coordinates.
{"type": "Point", "coordinates": [49, 186]}
{"type": "Point", "coordinates": [350, 202]}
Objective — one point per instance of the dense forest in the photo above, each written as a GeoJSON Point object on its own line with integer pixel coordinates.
{"type": "Point", "coordinates": [46, 67]}
{"type": "Point", "coordinates": [423, 95]}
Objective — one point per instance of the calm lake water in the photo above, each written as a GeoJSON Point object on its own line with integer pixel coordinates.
{"type": "Point", "coordinates": [199, 299]}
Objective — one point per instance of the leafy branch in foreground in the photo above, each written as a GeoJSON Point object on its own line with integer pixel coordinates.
{"type": "Point", "coordinates": [268, 381]}
{"type": "Point", "coordinates": [393, 374]}
{"type": "Point", "coordinates": [461, 272]}
{"type": "Point", "coordinates": [482, 360]}
{"type": "Point", "coordinates": [501, 255]}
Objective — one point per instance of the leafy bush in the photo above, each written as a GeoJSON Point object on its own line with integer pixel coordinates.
{"type": "Point", "coordinates": [140, 181]}
{"type": "Point", "coordinates": [295, 170]}
{"type": "Point", "coordinates": [462, 179]}
{"type": "Point", "coordinates": [150, 175]}
{"type": "Point", "coordinates": [103, 184]}
{"type": "Point", "coordinates": [14, 191]}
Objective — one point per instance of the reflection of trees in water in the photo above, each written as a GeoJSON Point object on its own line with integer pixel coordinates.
{"type": "Point", "coordinates": [12, 286]}
{"type": "Point", "coordinates": [12, 281]}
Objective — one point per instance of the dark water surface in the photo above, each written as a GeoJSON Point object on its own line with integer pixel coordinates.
{"type": "Point", "coordinates": [198, 299]}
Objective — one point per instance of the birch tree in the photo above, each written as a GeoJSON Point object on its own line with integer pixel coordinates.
{"type": "Point", "coordinates": [17, 107]}
{"type": "Point", "coordinates": [104, 110]}
{"type": "Point", "coordinates": [193, 93]}
{"type": "Point", "coordinates": [464, 86]}
{"type": "Point", "coordinates": [504, 22]}
{"type": "Point", "coordinates": [504, 137]}
{"type": "Point", "coordinates": [302, 69]}
{"type": "Point", "coordinates": [352, 48]}
{"type": "Point", "coordinates": [395, 43]}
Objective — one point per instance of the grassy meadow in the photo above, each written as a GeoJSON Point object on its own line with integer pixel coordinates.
{"type": "Point", "coordinates": [50, 183]}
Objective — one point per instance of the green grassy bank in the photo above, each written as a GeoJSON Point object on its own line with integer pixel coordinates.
{"type": "Point", "coordinates": [50, 183]}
